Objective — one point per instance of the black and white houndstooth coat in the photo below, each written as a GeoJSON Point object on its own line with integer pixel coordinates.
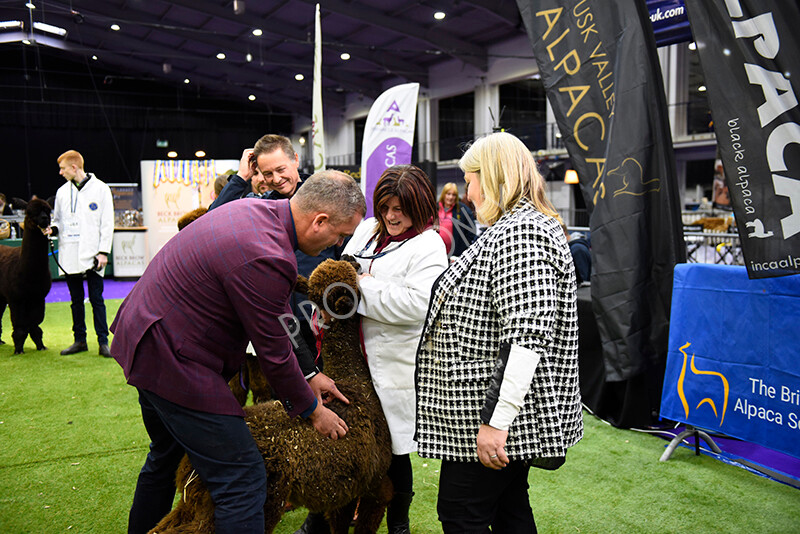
{"type": "Point", "coordinates": [500, 345]}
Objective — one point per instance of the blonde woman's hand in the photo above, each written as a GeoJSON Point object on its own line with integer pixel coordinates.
{"type": "Point", "coordinates": [491, 447]}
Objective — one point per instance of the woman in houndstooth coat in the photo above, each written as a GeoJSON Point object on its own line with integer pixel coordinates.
{"type": "Point", "coordinates": [497, 364]}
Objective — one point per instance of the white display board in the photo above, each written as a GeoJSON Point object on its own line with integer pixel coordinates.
{"type": "Point", "coordinates": [129, 252]}
{"type": "Point", "coordinates": [171, 188]}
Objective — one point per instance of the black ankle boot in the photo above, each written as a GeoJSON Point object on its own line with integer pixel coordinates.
{"type": "Point", "coordinates": [397, 513]}
{"type": "Point", "coordinates": [314, 524]}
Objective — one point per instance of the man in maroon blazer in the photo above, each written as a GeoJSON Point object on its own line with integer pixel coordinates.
{"type": "Point", "coordinates": [181, 334]}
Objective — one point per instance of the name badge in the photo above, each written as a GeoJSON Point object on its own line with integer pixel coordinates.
{"type": "Point", "coordinates": [71, 232]}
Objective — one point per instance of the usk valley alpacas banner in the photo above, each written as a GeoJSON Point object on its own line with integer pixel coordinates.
{"type": "Point", "coordinates": [601, 73]}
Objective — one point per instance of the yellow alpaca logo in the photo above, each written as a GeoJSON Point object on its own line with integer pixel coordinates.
{"type": "Point", "coordinates": [706, 400]}
{"type": "Point", "coordinates": [633, 182]}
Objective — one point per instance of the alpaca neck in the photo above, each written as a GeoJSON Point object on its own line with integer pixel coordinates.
{"type": "Point", "coordinates": [342, 359]}
{"type": "Point", "coordinates": [34, 247]}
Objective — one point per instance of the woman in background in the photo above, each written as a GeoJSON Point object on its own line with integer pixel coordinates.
{"type": "Point", "coordinates": [456, 221]}
{"type": "Point", "coordinates": [497, 367]}
{"type": "Point", "coordinates": [401, 256]}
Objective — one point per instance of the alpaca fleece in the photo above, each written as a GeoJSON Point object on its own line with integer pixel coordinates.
{"type": "Point", "coordinates": [303, 467]}
{"type": "Point", "coordinates": [25, 278]}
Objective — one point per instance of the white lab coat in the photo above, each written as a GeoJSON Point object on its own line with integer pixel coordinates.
{"type": "Point", "coordinates": [85, 221]}
{"type": "Point", "coordinates": [393, 305]}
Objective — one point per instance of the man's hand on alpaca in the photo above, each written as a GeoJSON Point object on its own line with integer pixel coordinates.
{"type": "Point", "coordinates": [328, 423]}
{"type": "Point", "coordinates": [325, 389]}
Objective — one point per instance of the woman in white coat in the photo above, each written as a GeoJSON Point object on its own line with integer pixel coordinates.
{"type": "Point", "coordinates": [401, 256]}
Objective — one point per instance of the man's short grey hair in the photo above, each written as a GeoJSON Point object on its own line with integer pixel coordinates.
{"type": "Point", "coordinates": [332, 192]}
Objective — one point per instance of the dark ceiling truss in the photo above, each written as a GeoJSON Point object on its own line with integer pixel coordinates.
{"type": "Point", "coordinates": [127, 48]}
{"type": "Point", "coordinates": [389, 42]}
{"type": "Point", "coordinates": [465, 51]}
{"type": "Point", "coordinates": [234, 48]}
{"type": "Point", "coordinates": [384, 59]}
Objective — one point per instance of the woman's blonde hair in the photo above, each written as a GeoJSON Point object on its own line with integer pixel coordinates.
{"type": "Point", "coordinates": [449, 187]}
{"type": "Point", "coordinates": [508, 174]}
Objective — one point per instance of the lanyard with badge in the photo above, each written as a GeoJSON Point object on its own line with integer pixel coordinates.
{"type": "Point", "coordinates": [373, 257]}
{"type": "Point", "coordinates": [72, 232]}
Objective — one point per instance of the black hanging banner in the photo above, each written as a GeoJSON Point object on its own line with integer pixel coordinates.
{"type": "Point", "coordinates": [750, 55]}
{"type": "Point", "coordinates": [601, 73]}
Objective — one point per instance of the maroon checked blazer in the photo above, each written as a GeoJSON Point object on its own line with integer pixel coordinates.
{"type": "Point", "coordinates": [227, 277]}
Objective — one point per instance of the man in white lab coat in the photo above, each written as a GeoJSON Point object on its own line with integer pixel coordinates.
{"type": "Point", "coordinates": [84, 217]}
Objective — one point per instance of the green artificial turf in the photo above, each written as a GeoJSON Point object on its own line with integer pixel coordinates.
{"type": "Point", "coordinates": [72, 443]}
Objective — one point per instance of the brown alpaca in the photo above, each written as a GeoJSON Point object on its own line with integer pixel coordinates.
{"type": "Point", "coordinates": [25, 278]}
{"type": "Point", "coordinates": [304, 467]}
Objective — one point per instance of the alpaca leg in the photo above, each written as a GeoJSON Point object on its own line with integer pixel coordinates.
{"type": "Point", "coordinates": [2, 312]}
{"type": "Point", "coordinates": [37, 337]}
{"type": "Point", "coordinates": [275, 505]}
{"type": "Point", "coordinates": [37, 316]}
{"type": "Point", "coordinates": [340, 519]}
{"type": "Point", "coordinates": [18, 332]}
{"type": "Point", "coordinates": [373, 505]}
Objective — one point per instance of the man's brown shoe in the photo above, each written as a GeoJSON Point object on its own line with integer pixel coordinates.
{"type": "Point", "coordinates": [78, 346]}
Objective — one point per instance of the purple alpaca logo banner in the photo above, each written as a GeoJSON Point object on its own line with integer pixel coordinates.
{"type": "Point", "coordinates": [388, 136]}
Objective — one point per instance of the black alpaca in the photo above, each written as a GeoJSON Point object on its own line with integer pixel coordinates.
{"type": "Point", "coordinates": [25, 276]}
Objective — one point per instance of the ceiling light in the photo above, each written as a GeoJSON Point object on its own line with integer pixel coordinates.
{"type": "Point", "coordinates": [692, 46]}
{"type": "Point", "coordinates": [702, 88]}
{"type": "Point", "coordinates": [248, 57]}
{"type": "Point", "coordinates": [200, 154]}
{"type": "Point", "coordinates": [172, 154]}
{"type": "Point", "coordinates": [439, 15]}
{"type": "Point", "coordinates": [302, 141]}
{"type": "Point", "coordinates": [115, 27]}
{"type": "Point", "coordinates": [257, 32]}
{"type": "Point", "coordinates": [220, 56]}
{"type": "Point", "coordinates": [49, 28]}
{"type": "Point", "coordinates": [94, 58]}
{"type": "Point", "coordinates": [251, 97]}
{"type": "Point", "coordinates": [345, 56]}
{"type": "Point", "coordinates": [10, 24]}
{"type": "Point", "coordinates": [26, 41]}
{"type": "Point", "coordinates": [726, 51]}
{"type": "Point", "coordinates": [30, 5]}
{"type": "Point", "coordinates": [299, 77]}
{"type": "Point", "coordinates": [186, 80]}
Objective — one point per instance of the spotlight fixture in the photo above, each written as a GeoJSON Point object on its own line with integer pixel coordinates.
{"type": "Point", "coordinates": [702, 88]}
{"type": "Point", "coordinates": [172, 154]}
{"type": "Point", "coordinates": [220, 56]}
{"type": "Point", "coordinates": [302, 141]}
{"type": "Point", "coordinates": [439, 15]}
{"type": "Point", "coordinates": [571, 177]}
{"type": "Point", "coordinates": [299, 77]}
{"type": "Point", "coordinates": [200, 154]}
{"type": "Point", "coordinates": [115, 27]}
{"type": "Point", "coordinates": [251, 97]}
{"type": "Point", "coordinates": [693, 46]}
{"type": "Point", "coordinates": [94, 58]}
{"type": "Point", "coordinates": [49, 28]}
{"type": "Point", "coordinates": [345, 56]}
{"type": "Point", "coordinates": [30, 5]}
{"type": "Point", "coordinates": [26, 41]}
{"type": "Point", "coordinates": [248, 57]}
{"type": "Point", "coordinates": [257, 32]}
{"type": "Point", "coordinates": [186, 80]}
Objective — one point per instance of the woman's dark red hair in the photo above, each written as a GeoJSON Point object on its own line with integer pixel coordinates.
{"type": "Point", "coordinates": [413, 189]}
